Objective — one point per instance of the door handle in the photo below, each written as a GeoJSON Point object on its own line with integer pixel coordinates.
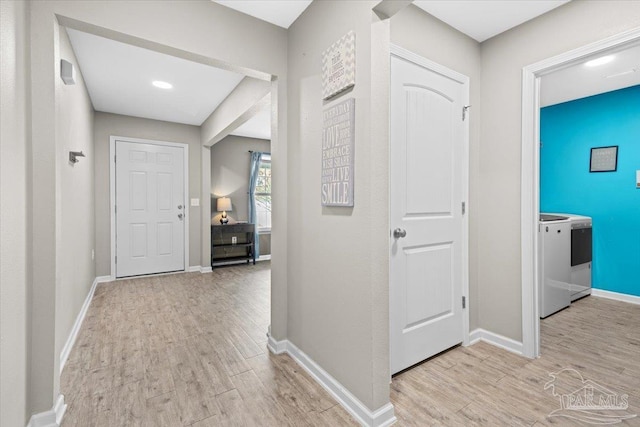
{"type": "Point", "coordinates": [179, 206]}
{"type": "Point", "coordinates": [180, 216]}
{"type": "Point", "coordinates": [399, 233]}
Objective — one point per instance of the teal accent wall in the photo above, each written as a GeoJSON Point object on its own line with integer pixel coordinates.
{"type": "Point", "coordinates": [568, 132]}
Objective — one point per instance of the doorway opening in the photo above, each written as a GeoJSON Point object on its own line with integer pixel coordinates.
{"type": "Point", "coordinates": [241, 176]}
{"type": "Point", "coordinates": [530, 174]}
{"type": "Point", "coordinates": [195, 173]}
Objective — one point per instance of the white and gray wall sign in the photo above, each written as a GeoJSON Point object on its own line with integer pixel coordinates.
{"type": "Point", "coordinates": [339, 66]}
{"type": "Point", "coordinates": [338, 137]}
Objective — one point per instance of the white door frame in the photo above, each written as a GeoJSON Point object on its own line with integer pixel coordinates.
{"type": "Point", "coordinates": [454, 75]}
{"type": "Point", "coordinates": [112, 192]}
{"type": "Point", "coordinates": [530, 176]}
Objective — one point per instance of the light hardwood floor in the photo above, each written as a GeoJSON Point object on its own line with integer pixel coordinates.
{"type": "Point", "coordinates": [190, 349]}
{"type": "Point", "coordinates": [484, 385]}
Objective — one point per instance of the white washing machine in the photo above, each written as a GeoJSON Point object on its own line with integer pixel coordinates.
{"type": "Point", "coordinates": [566, 255]}
{"type": "Point", "coordinates": [554, 234]}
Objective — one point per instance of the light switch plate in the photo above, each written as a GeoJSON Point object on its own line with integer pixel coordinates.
{"type": "Point", "coordinates": [195, 202]}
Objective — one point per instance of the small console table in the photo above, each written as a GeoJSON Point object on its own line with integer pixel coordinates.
{"type": "Point", "coordinates": [232, 242]}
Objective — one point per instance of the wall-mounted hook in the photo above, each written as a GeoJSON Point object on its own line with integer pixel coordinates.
{"type": "Point", "coordinates": [73, 156]}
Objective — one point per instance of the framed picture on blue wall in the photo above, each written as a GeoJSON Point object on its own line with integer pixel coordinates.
{"type": "Point", "coordinates": [604, 159]}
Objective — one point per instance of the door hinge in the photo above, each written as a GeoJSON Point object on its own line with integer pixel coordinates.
{"type": "Point", "coordinates": [464, 111]}
{"type": "Point", "coordinates": [464, 302]}
{"type": "Point", "coordinates": [114, 159]}
{"type": "Point", "coordinates": [116, 259]}
{"type": "Point", "coordinates": [464, 208]}
{"type": "Point", "coordinates": [115, 208]}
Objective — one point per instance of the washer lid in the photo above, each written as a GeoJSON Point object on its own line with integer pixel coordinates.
{"type": "Point", "coordinates": [549, 217]}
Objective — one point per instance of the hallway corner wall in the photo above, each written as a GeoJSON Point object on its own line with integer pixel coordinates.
{"type": "Point", "coordinates": [338, 256]}
{"type": "Point", "coordinates": [14, 217]}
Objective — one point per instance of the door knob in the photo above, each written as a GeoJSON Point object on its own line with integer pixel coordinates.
{"type": "Point", "coordinates": [399, 233]}
{"type": "Point", "coordinates": [179, 206]}
{"type": "Point", "coordinates": [180, 216]}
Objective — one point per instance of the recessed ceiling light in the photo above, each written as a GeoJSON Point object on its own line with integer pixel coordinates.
{"type": "Point", "coordinates": [599, 61]}
{"type": "Point", "coordinates": [161, 84]}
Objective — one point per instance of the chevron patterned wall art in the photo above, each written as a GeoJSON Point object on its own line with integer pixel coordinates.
{"type": "Point", "coordinates": [339, 66]}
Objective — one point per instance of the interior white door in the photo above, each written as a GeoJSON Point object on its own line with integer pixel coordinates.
{"type": "Point", "coordinates": [427, 137]}
{"type": "Point", "coordinates": [150, 208]}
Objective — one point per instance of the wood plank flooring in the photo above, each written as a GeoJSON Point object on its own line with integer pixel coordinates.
{"type": "Point", "coordinates": [484, 385]}
{"type": "Point", "coordinates": [190, 350]}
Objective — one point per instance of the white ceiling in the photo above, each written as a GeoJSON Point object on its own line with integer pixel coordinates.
{"type": "Point", "coordinates": [259, 126]}
{"type": "Point", "coordinates": [118, 77]}
{"type": "Point", "coordinates": [278, 12]}
{"type": "Point", "coordinates": [482, 19]}
{"type": "Point", "coordinates": [479, 19]}
{"type": "Point", "coordinates": [580, 81]}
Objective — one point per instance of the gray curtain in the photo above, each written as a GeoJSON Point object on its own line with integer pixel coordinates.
{"type": "Point", "coordinates": [253, 180]}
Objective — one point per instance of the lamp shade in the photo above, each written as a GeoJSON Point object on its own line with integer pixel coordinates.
{"type": "Point", "coordinates": [223, 204]}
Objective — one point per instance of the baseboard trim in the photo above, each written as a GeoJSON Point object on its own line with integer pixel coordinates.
{"type": "Point", "coordinates": [206, 269]}
{"type": "Point", "coordinates": [276, 347]}
{"type": "Point", "coordinates": [495, 339]}
{"type": "Point", "coordinates": [59, 408]}
{"type": "Point", "coordinates": [104, 279]}
{"type": "Point", "coordinates": [52, 417]}
{"type": "Point", "coordinates": [601, 293]}
{"type": "Point", "coordinates": [264, 258]}
{"type": "Point", "coordinates": [381, 417]}
{"type": "Point", "coordinates": [194, 269]}
{"type": "Point", "coordinates": [73, 335]}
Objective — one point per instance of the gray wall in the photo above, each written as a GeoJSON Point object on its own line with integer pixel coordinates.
{"type": "Point", "coordinates": [498, 259]}
{"type": "Point", "coordinates": [74, 130]}
{"type": "Point", "coordinates": [415, 30]}
{"type": "Point", "coordinates": [14, 201]}
{"type": "Point", "coordinates": [230, 160]}
{"type": "Point", "coordinates": [338, 257]}
{"type": "Point", "coordinates": [107, 125]}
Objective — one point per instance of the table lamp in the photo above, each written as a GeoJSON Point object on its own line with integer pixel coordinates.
{"type": "Point", "coordinates": [223, 205]}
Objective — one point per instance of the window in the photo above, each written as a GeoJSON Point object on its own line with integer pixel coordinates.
{"type": "Point", "coordinates": [263, 194]}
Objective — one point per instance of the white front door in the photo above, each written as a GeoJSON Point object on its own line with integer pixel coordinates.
{"type": "Point", "coordinates": [428, 139]}
{"type": "Point", "coordinates": [150, 208]}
